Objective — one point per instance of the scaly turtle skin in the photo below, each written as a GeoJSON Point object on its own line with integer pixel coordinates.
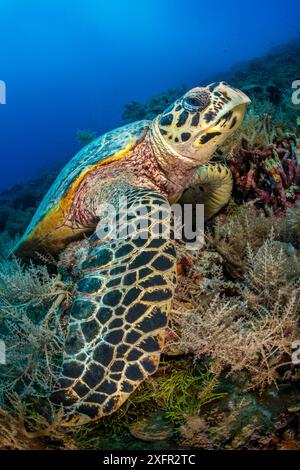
{"type": "Point", "coordinates": [120, 311]}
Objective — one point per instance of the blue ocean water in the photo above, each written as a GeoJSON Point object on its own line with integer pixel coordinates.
{"type": "Point", "coordinates": [73, 64]}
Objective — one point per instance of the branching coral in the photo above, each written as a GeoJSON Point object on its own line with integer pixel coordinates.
{"type": "Point", "coordinates": [32, 326]}
{"type": "Point", "coordinates": [16, 433]}
{"type": "Point", "coordinates": [292, 224]}
{"type": "Point", "coordinates": [231, 239]}
{"type": "Point", "coordinates": [247, 325]}
{"type": "Point", "coordinates": [236, 306]}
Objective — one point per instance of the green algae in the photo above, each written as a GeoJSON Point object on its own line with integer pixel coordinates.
{"type": "Point", "coordinates": [179, 389]}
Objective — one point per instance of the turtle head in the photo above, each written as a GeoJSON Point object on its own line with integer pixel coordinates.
{"type": "Point", "coordinates": [198, 122]}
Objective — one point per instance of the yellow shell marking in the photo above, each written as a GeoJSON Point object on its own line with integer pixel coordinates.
{"type": "Point", "coordinates": [53, 228]}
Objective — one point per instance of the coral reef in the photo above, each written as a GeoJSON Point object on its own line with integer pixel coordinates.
{"type": "Point", "coordinates": [269, 79]}
{"type": "Point", "coordinates": [265, 164]}
{"type": "Point", "coordinates": [226, 379]}
{"type": "Point", "coordinates": [33, 323]}
{"type": "Point", "coordinates": [233, 321]}
{"type": "Point", "coordinates": [18, 433]}
{"type": "Point", "coordinates": [242, 421]}
{"type": "Point", "coordinates": [241, 309]}
{"type": "Point", "coordinates": [18, 204]}
{"type": "Point", "coordinates": [136, 111]}
{"type": "Point", "coordinates": [271, 120]}
{"type": "Point", "coordinates": [264, 153]}
{"type": "Point", "coordinates": [32, 304]}
{"type": "Point", "coordinates": [253, 77]}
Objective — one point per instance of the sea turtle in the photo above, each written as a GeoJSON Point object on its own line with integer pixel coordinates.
{"type": "Point", "coordinates": [120, 310]}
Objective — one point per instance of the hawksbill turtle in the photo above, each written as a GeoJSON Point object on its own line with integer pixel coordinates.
{"type": "Point", "coordinates": [117, 321]}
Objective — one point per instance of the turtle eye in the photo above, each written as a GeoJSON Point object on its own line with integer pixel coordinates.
{"type": "Point", "coordinates": [197, 102]}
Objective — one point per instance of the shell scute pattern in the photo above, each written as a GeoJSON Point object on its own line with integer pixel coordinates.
{"type": "Point", "coordinates": [120, 310]}
{"type": "Point", "coordinates": [96, 152]}
{"type": "Point", "coordinates": [116, 332]}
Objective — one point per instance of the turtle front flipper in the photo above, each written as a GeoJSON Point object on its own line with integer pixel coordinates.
{"type": "Point", "coordinates": [212, 186]}
{"type": "Point", "coordinates": [117, 322]}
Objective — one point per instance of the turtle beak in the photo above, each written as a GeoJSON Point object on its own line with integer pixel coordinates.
{"type": "Point", "coordinates": [234, 95]}
{"type": "Point", "coordinates": [235, 104]}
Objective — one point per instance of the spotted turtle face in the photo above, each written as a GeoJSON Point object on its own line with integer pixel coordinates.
{"type": "Point", "coordinates": [201, 120]}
